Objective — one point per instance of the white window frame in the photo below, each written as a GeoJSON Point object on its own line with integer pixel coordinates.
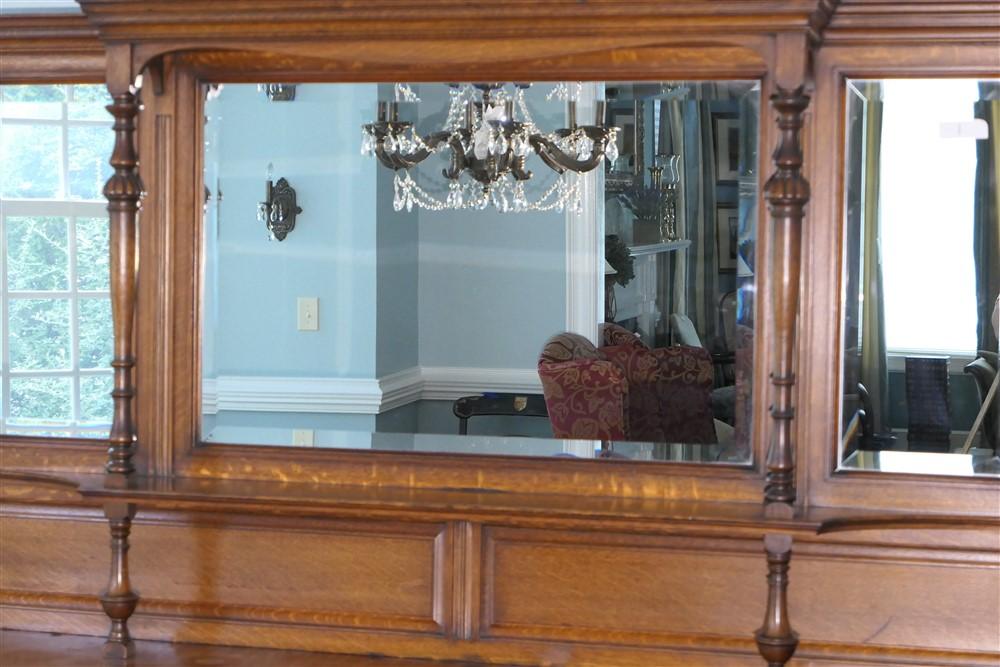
{"type": "Point", "coordinates": [70, 210]}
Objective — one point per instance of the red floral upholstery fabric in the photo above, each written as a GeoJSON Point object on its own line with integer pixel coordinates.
{"type": "Point", "coordinates": [626, 391]}
{"type": "Point", "coordinates": [586, 398]}
{"type": "Point", "coordinates": [612, 334]}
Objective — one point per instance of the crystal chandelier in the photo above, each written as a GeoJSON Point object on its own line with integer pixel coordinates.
{"type": "Point", "coordinates": [487, 136]}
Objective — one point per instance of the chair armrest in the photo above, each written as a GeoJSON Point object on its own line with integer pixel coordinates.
{"type": "Point", "coordinates": [585, 398]}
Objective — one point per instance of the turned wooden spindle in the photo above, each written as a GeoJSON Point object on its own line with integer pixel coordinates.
{"type": "Point", "coordinates": [776, 640]}
{"type": "Point", "coordinates": [119, 600]}
{"type": "Point", "coordinates": [123, 191]}
{"type": "Point", "coordinates": [787, 193]}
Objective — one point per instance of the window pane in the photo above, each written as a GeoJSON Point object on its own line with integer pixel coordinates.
{"type": "Point", "coordinates": [89, 150]}
{"type": "Point", "coordinates": [92, 269]}
{"type": "Point", "coordinates": [95, 400]}
{"type": "Point", "coordinates": [41, 400]}
{"type": "Point", "coordinates": [95, 333]}
{"type": "Point", "coordinates": [30, 161]}
{"type": "Point", "coordinates": [32, 102]}
{"type": "Point", "coordinates": [39, 334]}
{"type": "Point", "coordinates": [89, 102]}
{"type": "Point", "coordinates": [37, 253]}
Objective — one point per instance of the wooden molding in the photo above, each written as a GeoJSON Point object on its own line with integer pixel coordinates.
{"type": "Point", "coordinates": [332, 395]}
{"type": "Point", "coordinates": [49, 49]}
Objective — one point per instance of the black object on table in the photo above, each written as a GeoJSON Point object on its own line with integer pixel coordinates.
{"type": "Point", "coordinates": [504, 405]}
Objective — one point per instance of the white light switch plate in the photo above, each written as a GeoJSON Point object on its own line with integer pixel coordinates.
{"type": "Point", "coordinates": [303, 437]}
{"type": "Point", "coordinates": [308, 313]}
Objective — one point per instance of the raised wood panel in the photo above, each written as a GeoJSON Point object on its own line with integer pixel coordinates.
{"type": "Point", "coordinates": [391, 576]}
{"type": "Point", "coordinates": [591, 598]}
{"type": "Point", "coordinates": [846, 597]}
{"type": "Point", "coordinates": [892, 604]}
{"type": "Point", "coordinates": [618, 589]}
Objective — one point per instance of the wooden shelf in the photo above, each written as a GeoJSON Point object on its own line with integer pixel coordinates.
{"type": "Point", "coordinates": [499, 508]}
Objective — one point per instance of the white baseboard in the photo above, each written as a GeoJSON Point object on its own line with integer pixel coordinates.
{"type": "Point", "coordinates": [368, 396]}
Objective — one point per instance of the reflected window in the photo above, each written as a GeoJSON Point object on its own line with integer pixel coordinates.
{"type": "Point", "coordinates": [926, 202]}
{"type": "Point", "coordinates": [56, 333]}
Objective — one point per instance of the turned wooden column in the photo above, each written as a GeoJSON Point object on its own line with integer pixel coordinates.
{"type": "Point", "coordinates": [123, 192]}
{"type": "Point", "coordinates": [776, 640]}
{"type": "Point", "coordinates": [119, 599]}
{"type": "Point", "coordinates": [787, 192]}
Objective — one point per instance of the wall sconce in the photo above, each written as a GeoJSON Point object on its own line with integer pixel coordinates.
{"type": "Point", "coordinates": [279, 209]}
{"type": "Point", "coordinates": [278, 92]}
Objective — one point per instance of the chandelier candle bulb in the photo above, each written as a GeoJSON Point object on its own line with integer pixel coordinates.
{"type": "Point", "coordinates": [599, 111]}
{"type": "Point", "coordinates": [571, 114]}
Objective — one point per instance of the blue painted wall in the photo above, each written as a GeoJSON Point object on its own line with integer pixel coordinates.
{"type": "Point", "coordinates": [492, 286]}
{"type": "Point", "coordinates": [397, 239]}
{"type": "Point", "coordinates": [331, 254]}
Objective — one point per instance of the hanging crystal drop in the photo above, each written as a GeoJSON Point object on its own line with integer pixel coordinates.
{"type": "Point", "coordinates": [502, 145]}
{"type": "Point", "coordinates": [367, 143]}
{"type": "Point", "coordinates": [520, 145]}
{"type": "Point", "coordinates": [584, 148]}
{"type": "Point", "coordinates": [611, 149]}
{"type": "Point", "coordinates": [397, 199]}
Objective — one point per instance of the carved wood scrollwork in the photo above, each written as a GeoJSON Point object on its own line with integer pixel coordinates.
{"type": "Point", "coordinates": [123, 191]}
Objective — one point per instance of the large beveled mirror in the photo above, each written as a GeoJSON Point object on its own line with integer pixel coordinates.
{"type": "Point", "coordinates": [921, 276]}
{"type": "Point", "coordinates": [547, 269]}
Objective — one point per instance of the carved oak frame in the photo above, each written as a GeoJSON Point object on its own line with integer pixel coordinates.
{"type": "Point", "coordinates": [602, 43]}
{"type": "Point", "coordinates": [168, 395]}
{"type": "Point", "coordinates": [823, 249]}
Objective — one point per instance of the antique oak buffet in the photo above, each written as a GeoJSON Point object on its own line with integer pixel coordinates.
{"type": "Point", "coordinates": [512, 560]}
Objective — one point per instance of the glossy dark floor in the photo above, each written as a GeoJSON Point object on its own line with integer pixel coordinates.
{"type": "Point", "coordinates": [40, 649]}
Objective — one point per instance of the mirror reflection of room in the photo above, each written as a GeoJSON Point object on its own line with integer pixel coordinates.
{"type": "Point", "coordinates": [419, 267]}
{"type": "Point", "coordinates": [922, 275]}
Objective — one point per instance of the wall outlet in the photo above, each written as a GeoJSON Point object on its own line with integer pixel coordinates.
{"type": "Point", "coordinates": [308, 313]}
{"type": "Point", "coordinates": [303, 437]}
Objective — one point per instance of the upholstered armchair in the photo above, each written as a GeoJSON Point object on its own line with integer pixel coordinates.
{"type": "Point", "coordinates": [626, 391]}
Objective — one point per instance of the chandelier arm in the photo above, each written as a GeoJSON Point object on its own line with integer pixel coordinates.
{"type": "Point", "coordinates": [518, 170]}
{"type": "Point", "coordinates": [553, 156]}
{"type": "Point", "coordinates": [458, 158]}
